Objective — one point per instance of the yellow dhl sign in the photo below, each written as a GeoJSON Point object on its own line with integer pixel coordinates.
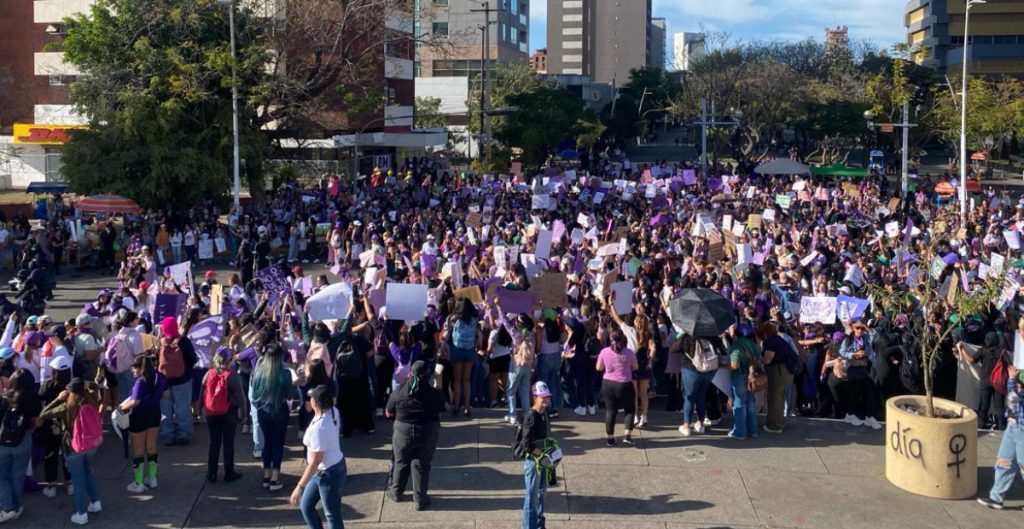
{"type": "Point", "coordinates": [36, 134]}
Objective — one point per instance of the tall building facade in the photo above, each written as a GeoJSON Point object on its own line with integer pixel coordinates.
{"type": "Point", "coordinates": [539, 61]}
{"type": "Point", "coordinates": [687, 47]}
{"type": "Point", "coordinates": [935, 33]}
{"type": "Point", "coordinates": [602, 39]}
{"type": "Point", "coordinates": [456, 29]}
{"type": "Point", "coordinates": [656, 43]}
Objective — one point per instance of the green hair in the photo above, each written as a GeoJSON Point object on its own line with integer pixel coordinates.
{"type": "Point", "coordinates": [270, 381]}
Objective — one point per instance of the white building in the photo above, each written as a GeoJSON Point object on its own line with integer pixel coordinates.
{"type": "Point", "coordinates": [687, 47]}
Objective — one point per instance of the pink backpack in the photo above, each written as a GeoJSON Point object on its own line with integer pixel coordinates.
{"type": "Point", "coordinates": [87, 432]}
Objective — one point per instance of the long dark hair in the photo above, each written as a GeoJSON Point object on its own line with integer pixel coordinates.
{"type": "Point", "coordinates": [466, 311]}
{"type": "Point", "coordinates": [317, 375]}
{"type": "Point", "coordinates": [148, 373]}
{"type": "Point", "coordinates": [23, 386]}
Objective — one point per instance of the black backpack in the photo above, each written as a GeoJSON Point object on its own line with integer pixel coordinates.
{"type": "Point", "coordinates": [348, 365]}
{"type": "Point", "coordinates": [518, 448]}
{"type": "Point", "coordinates": [13, 426]}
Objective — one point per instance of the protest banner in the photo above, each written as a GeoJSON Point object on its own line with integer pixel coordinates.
{"type": "Point", "coordinates": [850, 308]}
{"type": "Point", "coordinates": [306, 286]}
{"type": "Point", "coordinates": [168, 305]}
{"type": "Point", "coordinates": [273, 279]}
{"type": "Point", "coordinates": [516, 301]}
{"type": "Point", "coordinates": [205, 248]}
{"type": "Point", "coordinates": [207, 334]}
{"type": "Point", "coordinates": [333, 302]}
{"type": "Point", "coordinates": [406, 301]}
{"type": "Point", "coordinates": [821, 309]}
{"type": "Point", "coordinates": [472, 293]}
{"type": "Point", "coordinates": [783, 201]}
{"type": "Point", "coordinates": [181, 273]}
{"type": "Point", "coordinates": [544, 239]}
{"type": "Point", "coordinates": [623, 301]}
{"type": "Point", "coordinates": [550, 289]}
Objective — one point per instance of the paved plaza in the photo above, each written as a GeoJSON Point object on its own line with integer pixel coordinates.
{"type": "Point", "coordinates": [817, 474]}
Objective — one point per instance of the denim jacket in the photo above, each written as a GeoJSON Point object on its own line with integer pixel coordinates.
{"type": "Point", "coordinates": [849, 347]}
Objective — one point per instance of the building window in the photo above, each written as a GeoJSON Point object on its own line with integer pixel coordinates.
{"type": "Point", "coordinates": [457, 68]}
{"type": "Point", "coordinates": [514, 36]}
{"type": "Point", "coordinates": [417, 69]}
{"type": "Point", "coordinates": [572, 31]}
{"type": "Point", "coordinates": [439, 28]}
{"type": "Point", "coordinates": [504, 31]}
{"type": "Point", "coordinates": [572, 4]}
{"type": "Point", "coordinates": [56, 80]}
{"type": "Point", "coordinates": [1004, 39]}
{"type": "Point", "coordinates": [572, 45]}
{"type": "Point", "coordinates": [441, 3]}
{"type": "Point", "coordinates": [52, 164]}
{"type": "Point", "coordinates": [513, 6]}
{"type": "Point", "coordinates": [982, 39]}
{"type": "Point", "coordinates": [572, 18]}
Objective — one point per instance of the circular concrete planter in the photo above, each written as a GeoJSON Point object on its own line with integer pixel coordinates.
{"type": "Point", "coordinates": [933, 457]}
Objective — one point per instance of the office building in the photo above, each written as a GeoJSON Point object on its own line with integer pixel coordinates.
{"type": "Point", "coordinates": [656, 43]}
{"type": "Point", "coordinates": [837, 40]}
{"type": "Point", "coordinates": [687, 47]}
{"type": "Point", "coordinates": [454, 29]}
{"type": "Point", "coordinates": [539, 61]}
{"type": "Point", "coordinates": [602, 39]}
{"type": "Point", "coordinates": [935, 32]}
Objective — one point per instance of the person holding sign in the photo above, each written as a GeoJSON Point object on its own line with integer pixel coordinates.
{"type": "Point", "coordinates": [861, 393]}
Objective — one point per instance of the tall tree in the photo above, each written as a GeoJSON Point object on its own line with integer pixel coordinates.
{"type": "Point", "coordinates": [547, 116]}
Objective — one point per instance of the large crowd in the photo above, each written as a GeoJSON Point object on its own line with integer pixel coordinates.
{"type": "Point", "coordinates": [546, 296]}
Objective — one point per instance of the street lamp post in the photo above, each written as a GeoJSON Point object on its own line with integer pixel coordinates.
{"type": "Point", "coordinates": [906, 126]}
{"type": "Point", "coordinates": [737, 114]}
{"type": "Point", "coordinates": [963, 116]}
{"type": "Point", "coordinates": [236, 163]}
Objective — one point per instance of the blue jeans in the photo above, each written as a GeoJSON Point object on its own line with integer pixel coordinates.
{"type": "Point", "coordinates": [324, 487]}
{"type": "Point", "coordinates": [533, 501]}
{"type": "Point", "coordinates": [1011, 450]}
{"type": "Point", "coordinates": [518, 384]}
{"type": "Point", "coordinates": [293, 249]}
{"type": "Point", "coordinates": [257, 432]}
{"type": "Point", "coordinates": [274, 424]}
{"type": "Point", "coordinates": [176, 409]}
{"type": "Point", "coordinates": [13, 463]}
{"type": "Point", "coordinates": [125, 381]}
{"type": "Point", "coordinates": [695, 392]}
{"type": "Point", "coordinates": [744, 408]}
{"type": "Point", "coordinates": [548, 371]}
{"type": "Point", "coordinates": [83, 478]}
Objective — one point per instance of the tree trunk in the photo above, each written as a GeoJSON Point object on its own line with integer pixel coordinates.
{"type": "Point", "coordinates": [929, 383]}
{"type": "Point", "coordinates": [254, 179]}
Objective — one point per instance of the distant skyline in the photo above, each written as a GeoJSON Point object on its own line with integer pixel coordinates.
{"type": "Point", "coordinates": [880, 21]}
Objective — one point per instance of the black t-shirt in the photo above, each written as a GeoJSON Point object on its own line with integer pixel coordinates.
{"type": "Point", "coordinates": [535, 429]}
{"type": "Point", "coordinates": [424, 406]}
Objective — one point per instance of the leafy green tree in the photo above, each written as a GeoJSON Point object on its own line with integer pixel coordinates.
{"type": "Point", "coordinates": [428, 113]}
{"type": "Point", "coordinates": [995, 110]}
{"type": "Point", "coordinates": [547, 116]}
{"type": "Point", "coordinates": [591, 129]}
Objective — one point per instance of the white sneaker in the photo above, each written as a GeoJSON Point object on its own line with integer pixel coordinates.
{"type": "Point", "coordinates": [872, 423]}
{"type": "Point", "coordinates": [150, 483]}
{"type": "Point", "coordinates": [579, 410]}
{"type": "Point", "coordinates": [643, 420]}
{"type": "Point", "coordinates": [709, 422]}
{"type": "Point", "coordinates": [591, 410]}
{"type": "Point", "coordinates": [95, 507]}
{"type": "Point", "coordinates": [50, 492]}
{"type": "Point", "coordinates": [137, 488]}
{"type": "Point", "coordinates": [849, 418]}
{"type": "Point", "coordinates": [7, 516]}
{"type": "Point", "coordinates": [80, 518]}
{"type": "Point", "coordinates": [698, 427]}
{"type": "Point", "coordinates": [685, 430]}
{"type": "Point", "coordinates": [257, 454]}
{"type": "Point", "coordinates": [636, 421]}
{"type": "Point", "coordinates": [852, 419]}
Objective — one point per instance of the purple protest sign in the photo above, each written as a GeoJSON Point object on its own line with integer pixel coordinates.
{"type": "Point", "coordinates": [204, 335]}
{"type": "Point", "coordinates": [378, 297]}
{"type": "Point", "coordinates": [557, 231]}
{"type": "Point", "coordinates": [168, 305]}
{"type": "Point", "coordinates": [517, 301]}
{"type": "Point", "coordinates": [714, 184]}
{"type": "Point", "coordinates": [660, 201]}
{"type": "Point", "coordinates": [689, 177]}
{"type": "Point", "coordinates": [273, 279]}
{"type": "Point", "coordinates": [950, 258]}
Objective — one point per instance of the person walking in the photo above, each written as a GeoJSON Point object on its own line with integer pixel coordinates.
{"type": "Point", "coordinates": [618, 363]}
{"type": "Point", "coordinates": [1010, 457]}
{"type": "Point", "coordinates": [416, 407]}
{"type": "Point", "coordinates": [76, 409]}
{"type": "Point", "coordinates": [143, 403]}
{"type": "Point", "coordinates": [540, 456]}
{"type": "Point", "coordinates": [325, 472]}
{"type": "Point", "coordinates": [176, 358]}
{"type": "Point", "coordinates": [224, 403]}
{"type": "Point", "coordinates": [742, 355]}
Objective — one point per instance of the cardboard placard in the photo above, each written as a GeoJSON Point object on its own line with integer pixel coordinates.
{"type": "Point", "coordinates": [472, 293]}
{"type": "Point", "coordinates": [550, 289]}
{"type": "Point", "coordinates": [406, 301]}
{"type": "Point", "coordinates": [216, 299]}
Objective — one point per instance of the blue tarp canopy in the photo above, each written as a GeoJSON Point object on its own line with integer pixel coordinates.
{"type": "Point", "coordinates": [47, 187]}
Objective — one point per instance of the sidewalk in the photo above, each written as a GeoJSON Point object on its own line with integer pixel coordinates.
{"type": "Point", "coordinates": [817, 474]}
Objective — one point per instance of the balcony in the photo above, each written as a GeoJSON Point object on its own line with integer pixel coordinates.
{"type": "Point", "coordinates": [55, 11]}
{"type": "Point", "coordinates": [398, 116]}
{"type": "Point", "coordinates": [52, 63]}
{"type": "Point", "coordinates": [395, 68]}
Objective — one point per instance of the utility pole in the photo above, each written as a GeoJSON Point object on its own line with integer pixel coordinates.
{"type": "Point", "coordinates": [737, 114]}
{"type": "Point", "coordinates": [485, 60]}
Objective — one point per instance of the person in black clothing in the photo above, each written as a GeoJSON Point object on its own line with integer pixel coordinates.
{"type": "Point", "coordinates": [262, 249]}
{"type": "Point", "coordinates": [987, 357]}
{"type": "Point", "coordinates": [107, 237]}
{"type": "Point", "coordinates": [416, 407]}
{"type": "Point", "coordinates": [245, 260]}
{"type": "Point", "coordinates": [541, 456]}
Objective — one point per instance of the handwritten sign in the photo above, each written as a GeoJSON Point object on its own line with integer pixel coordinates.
{"type": "Point", "coordinates": [550, 289]}
{"type": "Point", "coordinates": [273, 279]}
{"type": "Point", "coordinates": [821, 309]}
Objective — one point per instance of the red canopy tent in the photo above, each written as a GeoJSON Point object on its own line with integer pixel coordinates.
{"type": "Point", "coordinates": [108, 204]}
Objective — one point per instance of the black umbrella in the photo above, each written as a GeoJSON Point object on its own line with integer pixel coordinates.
{"type": "Point", "coordinates": [701, 312]}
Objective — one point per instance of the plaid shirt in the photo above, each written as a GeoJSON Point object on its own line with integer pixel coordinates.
{"type": "Point", "coordinates": [1015, 400]}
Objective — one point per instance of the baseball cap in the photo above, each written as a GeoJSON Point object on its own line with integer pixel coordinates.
{"type": "Point", "coordinates": [32, 320]}
{"type": "Point", "coordinates": [6, 353]}
{"type": "Point", "coordinates": [83, 319]}
{"type": "Point", "coordinates": [210, 274]}
{"type": "Point", "coordinates": [60, 363]}
{"type": "Point", "coordinates": [540, 389]}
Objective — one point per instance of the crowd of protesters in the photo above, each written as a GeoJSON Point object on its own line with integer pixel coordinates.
{"type": "Point", "coordinates": [237, 352]}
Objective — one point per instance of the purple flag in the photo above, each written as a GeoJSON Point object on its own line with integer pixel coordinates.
{"type": "Point", "coordinates": [908, 231]}
{"type": "Point", "coordinates": [950, 258]}
{"type": "Point", "coordinates": [205, 334]}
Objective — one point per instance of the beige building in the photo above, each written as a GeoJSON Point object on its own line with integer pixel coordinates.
{"type": "Point", "coordinates": [935, 32]}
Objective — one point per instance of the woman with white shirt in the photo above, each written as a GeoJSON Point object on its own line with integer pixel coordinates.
{"type": "Point", "coordinates": [189, 239]}
{"type": "Point", "coordinates": [325, 472]}
{"type": "Point", "coordinates": [176, 241]}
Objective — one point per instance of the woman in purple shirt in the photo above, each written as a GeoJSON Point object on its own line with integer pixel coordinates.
{"type": "Point", "coordinates": [144, 404]}
{"type": "Point", "coordinates": [617, 363]}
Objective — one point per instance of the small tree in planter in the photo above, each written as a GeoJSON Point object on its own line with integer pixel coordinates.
{"type": "Point", "coordinates": [931, 443]}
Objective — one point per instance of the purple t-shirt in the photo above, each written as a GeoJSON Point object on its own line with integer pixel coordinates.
{"type": "Point", "coordinates": [618, 367]}
{"type": "Point", "coordinates": [140, 392]}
